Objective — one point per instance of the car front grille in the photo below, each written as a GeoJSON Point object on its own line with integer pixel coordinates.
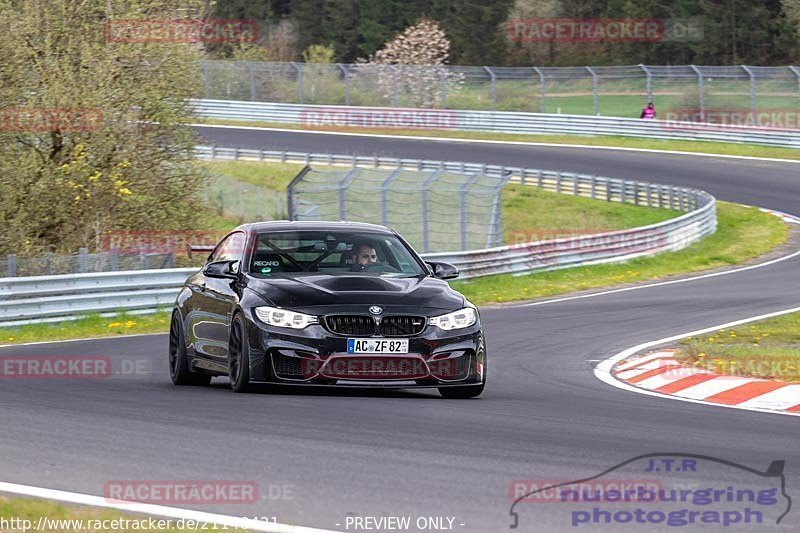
{"type": "Point", "coordinates": [402, 326]}
{"type": "Point", "coordinates": [351, 324]}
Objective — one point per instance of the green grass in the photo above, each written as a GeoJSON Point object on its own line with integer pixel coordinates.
{"type": "Point", "coordinates": [530, 213]}
{"type": "Point", "coordinates": [274, 176]}
{"type": "Point", "coordinates": [32, 509]}
{"type": "Point", "coordinates": [706, 147]}
{"type": "Point", "coordinates": [765, 349]}
{"type": "Point", "coordinates": [89, 326]}
{"type": "Point", "coordinates": [743, 233]}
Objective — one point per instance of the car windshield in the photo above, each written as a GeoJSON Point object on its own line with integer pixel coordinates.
{"type": "Point", "coordinates": [293, 253]}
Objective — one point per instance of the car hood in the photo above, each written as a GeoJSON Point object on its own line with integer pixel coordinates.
{"type": "Point", "coordinates": [310, 292]}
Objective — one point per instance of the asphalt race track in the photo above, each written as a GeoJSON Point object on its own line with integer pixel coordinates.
{"type": "Point", "coordinates": [544, 416]}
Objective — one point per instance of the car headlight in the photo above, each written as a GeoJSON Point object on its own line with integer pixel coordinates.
{"type": "Point", "coordinates": [284, 318]}
{"type": "Point", "coordinates": [463, 318]}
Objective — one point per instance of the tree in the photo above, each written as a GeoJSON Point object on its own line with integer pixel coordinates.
{"type": "Point", "coordinates": [415, 57]}
{"type": "Point", "coordinates": [112, 151]}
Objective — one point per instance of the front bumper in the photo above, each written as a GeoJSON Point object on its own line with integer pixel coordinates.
{"type": "Point", "coordinates": [315, 356]}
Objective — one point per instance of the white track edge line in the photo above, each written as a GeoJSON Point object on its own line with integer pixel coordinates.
{"type": "Point", "coordinates": [656, 284]}
{"type": "Point", "coordinates": [603, 369]}
{"type": "Point", "coordinates": [495, 141]}
{"type": "Point", "coordinates": [156, 510]}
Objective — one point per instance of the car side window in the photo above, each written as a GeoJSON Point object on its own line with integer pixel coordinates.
{"type": "Point", "coordinates": [231, 249]}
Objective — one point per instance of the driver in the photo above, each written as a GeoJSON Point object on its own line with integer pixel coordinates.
{"type": "Point", "coordinates": [363, 256]}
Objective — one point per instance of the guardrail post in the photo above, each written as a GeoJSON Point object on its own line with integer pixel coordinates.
{"type": "Point", "coordinates": [213, 152]}
{"type": "Point", "coordinates": [542, 104]}
{"type": "Point", "coordinates": [608, 190]}
{"type": "Point", "coordinates": [592, 186]}
{"type": "Point", "coordinates": [701, 97]}
{"type": "Point", "coordinates": [299, 81]}
{"type": "Point", "coordinates": [752, 88]}
{"type": "Point", "coordinates": [492, 87]}
{"type": "Point", "coordinates": [575, 178]}
{"type": "Point", "coordinates": [797, 74]}
{"type": "Point", "coordinates": [649, 82]}
{"type": "Point", "coordinates": [11, 265]}
{"type": "Point", "coordinates": [252, 78]}
{"type": "Point", "coordinates": [346, 80]}
{"type": "Point", "coordinates": [83, 259]}
{"type": "Point", "coordinates": [594, 90]}
{"type": "Point", "coordinates": [558, 181]}
{"type": "Point", "coordinates": [671, 197]}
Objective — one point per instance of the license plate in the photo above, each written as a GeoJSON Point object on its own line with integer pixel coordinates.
{"type": "Point", "coordinates": [377, 345]}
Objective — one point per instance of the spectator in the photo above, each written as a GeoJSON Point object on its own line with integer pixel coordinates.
{"type": "Point", "coordinates": [648, 112]}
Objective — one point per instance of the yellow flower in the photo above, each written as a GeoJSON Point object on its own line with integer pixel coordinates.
{"type": "Point", "coordinates": [125, 191]}
{"type": "Point", "coordinates": [130, 323]}
{"type": "Point", "coordinates": [115, 325]}
{"type": "Point", "coordinates": [11, 338]}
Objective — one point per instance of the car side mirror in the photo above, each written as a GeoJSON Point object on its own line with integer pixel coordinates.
{"type": "Point", "coordinates": [222, 269]}
{"type": "Point", "coordinates": [443, 270]}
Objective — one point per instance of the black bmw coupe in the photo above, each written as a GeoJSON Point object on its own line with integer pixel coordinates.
{"type": "Point", "coordinates": [325, 304]}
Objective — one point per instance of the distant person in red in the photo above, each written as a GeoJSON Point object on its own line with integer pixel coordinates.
{"type": "Point", "coordinates": [649, 112]}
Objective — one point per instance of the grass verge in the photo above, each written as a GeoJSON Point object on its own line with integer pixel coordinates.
{"type": "Point", "coordinates": [721, 148]}
{"type": "Point", "coordinates": [89, 326]}
{"type": "Point", "coordinates": [767, 349]}
{"type": "Point", "coordinates": [24, 514]}
{"type": "Point", "coordinates": [743, 233]}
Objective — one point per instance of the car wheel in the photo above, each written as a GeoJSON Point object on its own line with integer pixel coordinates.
{"type": "Point", "coordinates": [178, 358]}
{"type": "Point", "coordinates": [460, 393]}
{"type": "Point", "coordinates": [239, 356]}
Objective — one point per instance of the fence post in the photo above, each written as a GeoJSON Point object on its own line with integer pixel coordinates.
{"type": "Point", "coordinates": [205, 80]}
{"type": "Point", "coordinates": [11, 263]}
{"type": "Point", "coordinates": [443, 81]}
{"type": "Point", "coordinates": [648, 82]}
{"type": "Point", "coordinates": [343, 183]}
{"type": "Point", "coordinates": [252, 79]}
{"type": "Point", "coordinates": [83, 259]}
{"type": "Point", "coordinates": [425, 219]}
{"type": "Point", "coordinates": [394, 84]}
{"type": "Point", "coordinates": [299, 82]}
{"type": "Point", "coordinates": [797, 74]}
{"type": "Point", "coordinates": [592, 186]}
{"type": "Point", "coordinates": [463, 200]}
{"type": "Point", "coordinates": [752, 88]}
{"type": "Point", "coordinates": [701, 96]}
{"type": "Point", "coordinates": [385, 193]}
{"type": "Point", "coordinates": [346, 79]}
{"type": "Point", "coordinates": [542, 104]}
{"type": "Point", "coordinates": [594, 90]}
{"type": "Point", "coordinates": [492, 87]}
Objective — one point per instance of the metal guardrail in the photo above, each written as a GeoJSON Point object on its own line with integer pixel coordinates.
{"type": "Point", "coordinates": [316, 116]}
{"type": "Point", "coordinates": [48, 298]}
